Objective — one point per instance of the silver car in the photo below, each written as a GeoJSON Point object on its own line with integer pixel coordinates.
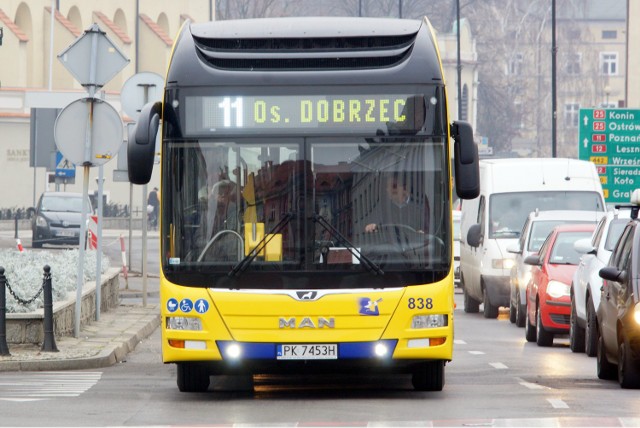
{"type": "Point", "coordinates": [57, 218]}
{"type": "Point", "coordinates": [585, 288]}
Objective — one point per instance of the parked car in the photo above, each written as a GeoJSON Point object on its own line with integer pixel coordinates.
{"type": "Point", "coordinates": [534, 232]}
{"type": "Point", "coordinates": [456, 247]}
{"type": "Point", "coordinates": [548, 290]}
{"type": "Point", "coordinates": [618, 350]}
{"type": "Point", "coordinates": [586, 283]}
{"type": "Point", "coordinates": [57, 218]}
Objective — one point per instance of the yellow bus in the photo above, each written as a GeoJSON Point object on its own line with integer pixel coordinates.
{"type": "Point", "coordinates": [307, 177]}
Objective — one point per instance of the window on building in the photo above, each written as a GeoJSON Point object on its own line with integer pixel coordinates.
{"type": "Point", "coordinates": [609, 34]}
{"type": "Point", "coordinates": [571, 115]}
{"type": "Point", "coordinates": [515, 64]}
{"type": "Point", "coordinates": [464, 103]}
{"type": "Point", "coordinates": [573, 64]}
{"type": "Point", "coordinates": [609, 63]}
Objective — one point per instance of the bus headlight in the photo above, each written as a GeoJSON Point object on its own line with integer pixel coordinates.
{"type": "Point", "coordinates": [381, 350]}
{"type": "Point", "coordinates": [184, 323]}
{"type": "Point", "coordinates": [429, 321]}
{"type": "Point", "coordinates": [557, 289]}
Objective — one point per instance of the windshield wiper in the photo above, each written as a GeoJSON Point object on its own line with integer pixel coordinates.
{"type": "Point", "coordinates": [371, 266]}
{"type": "Point", "coordinates": [249, 258]}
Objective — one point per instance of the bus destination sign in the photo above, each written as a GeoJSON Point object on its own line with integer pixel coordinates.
{"type": "Point", "coordinates": [310, 113]}
{"type": "Point", "coordinates": [610, 138]}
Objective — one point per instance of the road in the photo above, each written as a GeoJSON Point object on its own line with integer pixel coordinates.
{"type": "Point", "coordinates": [495, 379]}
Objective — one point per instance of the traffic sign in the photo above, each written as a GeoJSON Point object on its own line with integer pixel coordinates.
{"type": "Point", "coordinates": [610, 138]}
{"type": "Point", "coordinates": [100, 119]}
{"type": "Point", "coordinates": [64, 167]}
{"type": "Point", "coordinates": [93, 59]}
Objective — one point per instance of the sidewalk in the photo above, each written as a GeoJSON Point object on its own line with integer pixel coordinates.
{"type": "Point", "coordinates": [101, 343]}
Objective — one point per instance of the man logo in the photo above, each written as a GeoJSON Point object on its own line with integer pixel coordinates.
{"type": "Point", "coordinates": [306, 322]}
{"type": "Point", "coordinates": [306, 295]}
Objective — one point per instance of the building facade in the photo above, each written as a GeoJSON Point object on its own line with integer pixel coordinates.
{"type": "Point", "coordinates": [33, 38]}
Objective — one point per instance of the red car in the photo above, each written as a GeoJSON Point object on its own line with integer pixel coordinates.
{"type": "Point", "coordinates": [549, 289]}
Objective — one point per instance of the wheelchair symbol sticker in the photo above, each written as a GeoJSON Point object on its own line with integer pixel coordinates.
{"type": "Point", "coordinates": [172, 305]}
{"type": "Point", "coordinates": [186, 305]}
{"type": "Point", "coordinates": [201, 306]}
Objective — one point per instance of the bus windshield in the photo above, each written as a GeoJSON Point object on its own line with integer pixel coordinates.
{"type": "Point", "coordinates": [346, 207]}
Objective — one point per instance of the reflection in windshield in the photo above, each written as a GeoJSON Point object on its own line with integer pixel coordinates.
{"type": "Point", "coordinates": [62, 204]}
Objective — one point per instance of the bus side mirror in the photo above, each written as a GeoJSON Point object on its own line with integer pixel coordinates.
{"type": "Point", "coordinates": [467, 169]}
{"type": "Point", "coordinates": [141, 151]}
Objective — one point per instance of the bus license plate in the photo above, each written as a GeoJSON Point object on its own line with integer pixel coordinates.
{"type": "Point", "coordinates": [324, 351]}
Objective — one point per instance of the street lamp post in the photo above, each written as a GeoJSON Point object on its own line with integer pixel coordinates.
{"type": "Point", "coordinates": [554, 101]}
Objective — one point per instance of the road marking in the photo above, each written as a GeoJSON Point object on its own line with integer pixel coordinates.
{"type": "Point", "coordinates": [33, 386]}
{"type": "Point", "coordinates": [498, 366]}
{"type": "Point", "coordinates": [459, 342]}
{"type": "Point", "coordinates": [557, 403]}
{"type": "Point", "coordinates": [532, 385]}
{"type": "Point", "coordinates": [476, 352]}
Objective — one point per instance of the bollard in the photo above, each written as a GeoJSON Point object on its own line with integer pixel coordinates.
{"type": "Point", "coordinates": [16, 226]}
{"type": "Point", "coordinates": [49, 344]}
{"type": "Point", "coordinates": [4, 349]}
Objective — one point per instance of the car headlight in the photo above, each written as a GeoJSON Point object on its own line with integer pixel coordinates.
{"type": "Point", "coordinates": [636, 313]}
{"type": "Point", "coordinates": [41, 222]}
{"type": "Point", "coordinates": [558, 289]}
{"type": "Point", "coordinates": [502, 263]}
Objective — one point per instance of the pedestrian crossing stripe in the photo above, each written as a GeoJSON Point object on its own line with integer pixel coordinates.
{"type": "Point", "coordinates": [33, 386]}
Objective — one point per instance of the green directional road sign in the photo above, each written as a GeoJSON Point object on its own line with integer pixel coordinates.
{"type": "Point", "coordinates": [610, 138]}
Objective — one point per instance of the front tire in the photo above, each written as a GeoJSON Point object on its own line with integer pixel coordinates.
{"type": "Point", "coordinates": [591, 332]}
{"type": "Point", "coordinates": [605, 369]}
{"type": "Point", "coordinates": [192, 377]}
{"type": "Point", "coordinates": [628, 370]}
{"type": "Point", "coordinates": [471, 306]}
{"type": "Point", "coordinates": [529, 329]}
{"type": "Point", "coordinates": [543, 337]}
{"type": "Point", "coordinates": [428, 376]}
{"type": "Point", "coordinates": [521, 311]}
{"type": "Point", "coordinates": [576, 333]}
{"type": "Point", "coordinates": [488, 310]}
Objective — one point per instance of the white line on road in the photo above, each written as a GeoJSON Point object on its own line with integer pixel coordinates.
{"type": "Point", "coordinates": [476, 352]}
{"type": "Point", "coordinates": [557, 403]}
{"type": "Point", "coordinates": [459, 342]}
{"type": "Point", "coordinates": [499, 366]}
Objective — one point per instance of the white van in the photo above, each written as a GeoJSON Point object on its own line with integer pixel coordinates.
{"type": "Point", "coordinates": [509, 190]}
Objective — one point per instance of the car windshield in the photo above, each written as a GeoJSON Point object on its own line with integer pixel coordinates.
{"type": "Point", "coordinates": [509, 211]}
{"type": "Point", "coordinates": [541, 229]}
{"type": "Point", "coordinates": [58, 203]}
{"type": "Point", "coordinates": [563, 251]}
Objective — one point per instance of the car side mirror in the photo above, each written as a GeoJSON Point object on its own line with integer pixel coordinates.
{"type": "Point", "coordinates": [474, 235]}
{"type": "Point", "coordinates": [533, 260]}
{"type": "Point", "coordinates": [514, 248]}
{"type": "Point", "coordinates": [583, 246]}
{"type": "Point", "coordinates": [613, 274]}
{"type": "Point", "coordinates": [31, 211]}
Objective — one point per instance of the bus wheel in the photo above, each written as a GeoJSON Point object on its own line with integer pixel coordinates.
{"type": "Point", "coordinates": [192, 377]}
{"type": "Point", "coordinates": [428, 376]}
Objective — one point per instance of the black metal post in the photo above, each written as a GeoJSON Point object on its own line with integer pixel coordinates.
{"type": "Point", "coordinates": [49, 343]}
{"type": "Point", "coordinates": [4, 349]}
{"type": "Point", "coordinates": [16, 226]}
{"type": "Point", "coordinates": [459, 61]}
